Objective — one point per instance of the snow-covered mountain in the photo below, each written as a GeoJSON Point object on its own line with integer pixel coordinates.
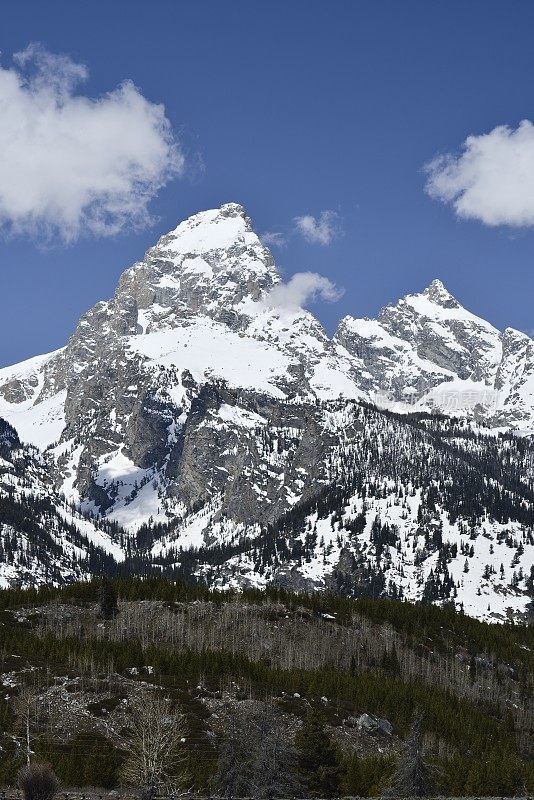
{"type": "Point", "coordinates": [42, 538]}
{"type": "Point", "coordinates": [201, 408]}
{"type": "Point", "coordinates": [427, 352]}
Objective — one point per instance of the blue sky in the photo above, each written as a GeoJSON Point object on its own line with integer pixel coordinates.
{"type": "Point", "coordinates": [294, 108]}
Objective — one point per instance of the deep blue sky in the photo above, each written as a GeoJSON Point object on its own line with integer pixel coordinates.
{"type": "Point", "coordinates": [296, 107]}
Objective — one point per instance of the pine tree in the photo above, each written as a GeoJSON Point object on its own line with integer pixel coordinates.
{"type": "Point", "coordinates": [319, 759]}
{"type": "Point", "coordinates": [390, 661]}
{"type": "Point", "coordinates": [366, 777]}
{"type": "Point", "coordinates": [108, 600]}
{"type": "Point", "coordinates": [101, 767]}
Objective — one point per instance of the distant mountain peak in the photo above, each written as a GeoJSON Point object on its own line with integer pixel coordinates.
{"type": "Point", "coordinates": [437, 293]}
{"type": "Point", "coordinates": [207, 231]}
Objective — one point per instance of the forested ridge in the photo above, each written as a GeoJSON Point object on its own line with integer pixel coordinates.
{"type": "Point", "coordinates": [216, 653]}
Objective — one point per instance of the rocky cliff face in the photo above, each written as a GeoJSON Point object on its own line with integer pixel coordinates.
{"type": "Point", "coordinates": [197, 400]}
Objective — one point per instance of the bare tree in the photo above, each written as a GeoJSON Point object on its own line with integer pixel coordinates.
{"type": "Point", "coordinates": [275, 761]}
{"type": "Point", "coordinates": [234, 768]}
{"type": "Point", "coordinates": [154, 762]}
{"type": "Point", "coordinates": [412, 778]}
{"type": "Point", "coordinates": [256, 757]}
{"type": "Point", "coordinates": [27, 708]}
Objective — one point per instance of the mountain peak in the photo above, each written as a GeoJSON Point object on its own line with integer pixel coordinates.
{"type": "Point", "coordinates": [233, 210]}
{"type": "Point", "coordinates": [212, 264]}
{"type": "Point", "coordinates": [437, 293]}
{"type": "Point", "coordinates": [215, 229]}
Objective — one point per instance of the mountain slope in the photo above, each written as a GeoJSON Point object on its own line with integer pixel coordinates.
{"type": "Point", "coordinates": [42, 539]}
{"type": "Point", "coordinates": [453, 523]}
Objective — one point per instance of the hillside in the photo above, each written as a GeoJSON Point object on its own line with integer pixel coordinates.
{"type": "Point", "coordinates": [219, 654]}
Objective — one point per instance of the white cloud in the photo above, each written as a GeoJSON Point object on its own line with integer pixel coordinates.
{"type": "Point", "coordinates": [70, 164]}
{"type": "Point", "coordinates": [491, 180]}
{"type": "Point", "coordinates": [303, 288]}
{"type": "Point", "coordinates": [322, 230]}
{"type": "Point", "coordinates": [273, 239]}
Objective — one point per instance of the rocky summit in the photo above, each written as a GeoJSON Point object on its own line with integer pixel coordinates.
{"type": "Point", "coordinates": [201, 423]}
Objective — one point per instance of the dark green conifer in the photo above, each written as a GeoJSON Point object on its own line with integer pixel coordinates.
{"type": "Point", "coordinates": [108, 600]}
{"type": "Point", "coordinates": [319, 758]}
